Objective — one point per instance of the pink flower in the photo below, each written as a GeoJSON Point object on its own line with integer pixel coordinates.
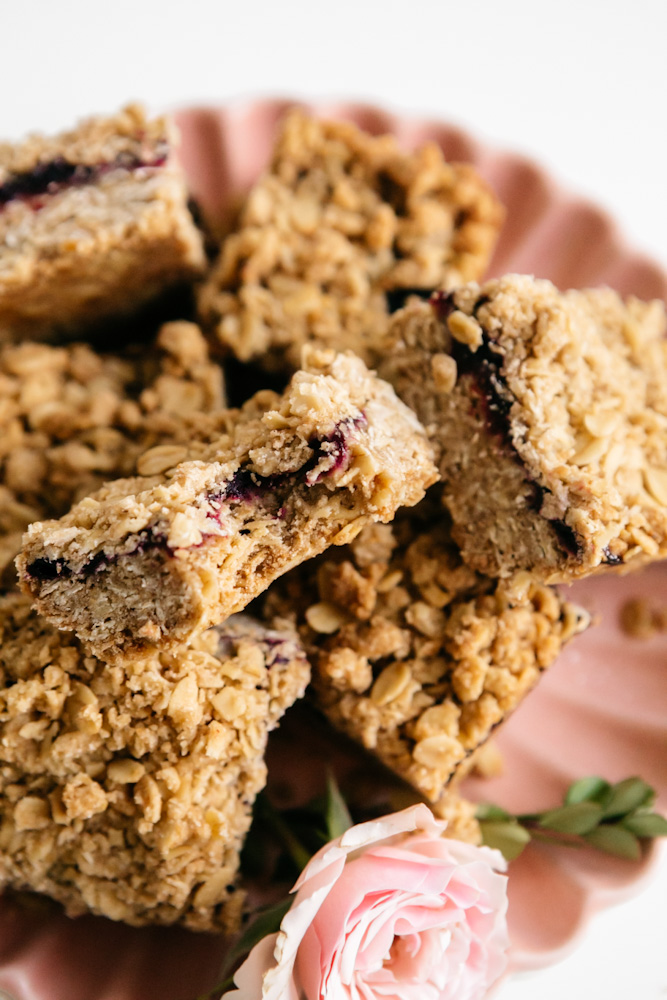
{"type": "Point", "coordinates": [389, 911]}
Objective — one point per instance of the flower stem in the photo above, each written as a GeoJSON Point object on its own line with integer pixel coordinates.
{"type": "Point", "coordinates": [299, 854]}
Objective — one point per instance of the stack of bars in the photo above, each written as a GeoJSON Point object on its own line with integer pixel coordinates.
{"type": "Point", "coordinates": [399, 533]}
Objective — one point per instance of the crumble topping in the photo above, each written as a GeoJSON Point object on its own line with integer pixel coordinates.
{"type": "Point", "coordinates": [127, 789]}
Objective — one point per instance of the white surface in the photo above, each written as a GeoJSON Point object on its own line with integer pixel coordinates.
{"type": "Point", "coordinates": [621, 955]}
{"type": "Point", "coordinates": [581, 86]}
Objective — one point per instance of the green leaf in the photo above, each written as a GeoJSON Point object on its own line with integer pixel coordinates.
{"type": "Point", "coordinates": [646, 824]}
{"type": "Point", "coordinates": [587, 790]}
{"type": "Point", "coordinates": [628, 795]}
{"type": "Point", "coordinates": [267, 921]}
{"type": "Point", "coordinates": [487, 811]}
{"type": "Point", "coordinates": [509, 838]}
{"type": "Point", "coordinates": [336, 813]}
{"type": "Point", "coordinates": [615, 840]}
{"type": "Point", "coordinates": [218, 989]}
{"type": "Point", "coordinates": [578, 818]}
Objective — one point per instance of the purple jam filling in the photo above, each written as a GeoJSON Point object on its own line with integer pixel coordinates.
{"type": "Point", "coordinates": [58, 174]}
{"type": "Point", "coordinates": [245, 486]}
{"type": "Point", "coordinates": [53, 569]}
{"type": "Point", "coordinates": [335, 447]}
{"type": "Point", "coordinates": [484, 366]}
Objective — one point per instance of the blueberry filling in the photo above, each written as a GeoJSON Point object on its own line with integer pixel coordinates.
{"type": "Point", "coordinates": [48, 569]}
{"type": "Point", "coordinates": [58, 174]}
{"type": "Point", "coordinates": [484, 366]}
{"type": "Point", "coordinates": [495, 398]}
{"type": "Point", "coordinates": [53, 569]}
{"type": "Point", "coordinates": [245, 486]}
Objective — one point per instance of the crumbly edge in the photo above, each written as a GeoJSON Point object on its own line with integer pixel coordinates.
{"type": "Point", "coordinates": [414, 655]}
{"type": "Point", "coordinates": [340, 219]}
{"type": "Point", "coordinates": [95, 140]}
{"type": "Point", "coordinates": [127, 789]}
{"type": "Point", "coordinates": [572, 433]}
{"type": "Point", "coordinates": [72, 418]}
{"type": "Point", "coordinates": [186, 585]}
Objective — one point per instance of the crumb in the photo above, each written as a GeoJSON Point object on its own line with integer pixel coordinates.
{"type": "Point", "coordinates": [641, 618]}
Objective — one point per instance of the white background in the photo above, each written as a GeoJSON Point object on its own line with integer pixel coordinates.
{"type": "Point", "coordinates": [581, 86]}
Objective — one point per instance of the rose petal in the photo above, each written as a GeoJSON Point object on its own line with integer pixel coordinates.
{"type": "Point", "coordinates": [248, 978]}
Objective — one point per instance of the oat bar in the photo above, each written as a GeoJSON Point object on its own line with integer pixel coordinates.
{"type": "Point", "coordinates": [548, 411]}
{"type": "Point", "coordinates": [127, 790]}
{"type": "Point", "coordinates": [201, 532]}
{"type": "Point", "coordinates": [93, 222]}
{"type": "Point", "coordinates": [340, 226]}
{"type": "Point", "coordinates": [415, 656]}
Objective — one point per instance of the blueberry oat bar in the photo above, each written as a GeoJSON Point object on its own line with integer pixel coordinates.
{"type": "Point", "coordinates": [548, 411]}
{"type": "Point", "coordinates": [341, 225]}
{"type": "Point", "coordinates": [92, 222]}
{"type": "Point", "coordinates": [201, 531]}
{"type": "Point", "coordinates": [127, 790]}
{"type": "Point", "coordinates": [415, 656]}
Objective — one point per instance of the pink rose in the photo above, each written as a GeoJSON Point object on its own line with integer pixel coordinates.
{"type": "Point", "coordinates": [389, 910]}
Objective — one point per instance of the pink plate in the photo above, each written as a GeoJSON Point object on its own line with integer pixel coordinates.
{"type": "Point", "coordinates": [600, 710]}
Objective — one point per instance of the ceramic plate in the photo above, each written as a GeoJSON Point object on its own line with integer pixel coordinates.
{"type": "Point", "coordinates": [601, 708]}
